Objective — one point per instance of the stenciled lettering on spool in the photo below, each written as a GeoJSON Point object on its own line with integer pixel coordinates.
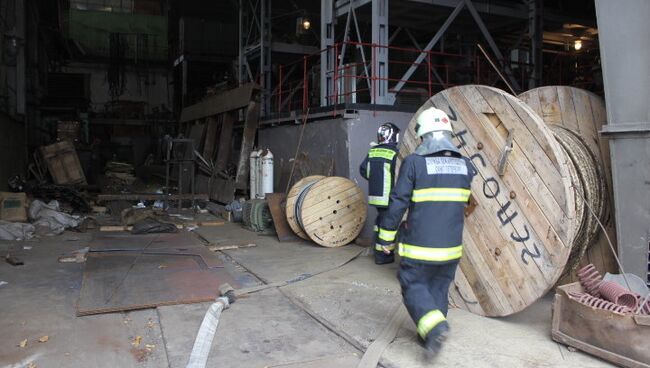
{"type": "Point", "coordinates": [518, 238]}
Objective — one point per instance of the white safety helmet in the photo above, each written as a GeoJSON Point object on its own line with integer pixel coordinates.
{"type": "Point", "coordinates": [432, 120]}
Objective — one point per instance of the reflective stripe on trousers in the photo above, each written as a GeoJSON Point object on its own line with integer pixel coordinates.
{"type": "Point", "coordinates": [380, 247]}
{"type": "Point", "coordinates": [429, 321]}
{"type": "Point", "coordinates": [387, 235]}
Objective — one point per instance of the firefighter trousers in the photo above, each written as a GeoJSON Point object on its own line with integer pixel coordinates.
{"type": "Point", "coordinates": [425, 290]}
{"type": "Point", "coordinates": [380, 256]}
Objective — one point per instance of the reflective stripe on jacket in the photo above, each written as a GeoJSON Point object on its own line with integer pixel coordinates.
{"type": "Point", "coordinates": [434, 189]}
{"type": "Point", "coordinates": [379, 169]}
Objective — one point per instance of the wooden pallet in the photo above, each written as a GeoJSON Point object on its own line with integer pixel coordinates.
{"type": "Point", "coordinates": [63, 163]}
{"type": "Point", "coordinates": [518, 238]}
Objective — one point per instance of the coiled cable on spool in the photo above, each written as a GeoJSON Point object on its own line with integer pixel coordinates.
{"type": "Point", "coordinates": [298, 206]}
{"type": "Point", "coordinates": [590, 185]}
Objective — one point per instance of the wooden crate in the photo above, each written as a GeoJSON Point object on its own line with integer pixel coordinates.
{"type": "Point", "coordinates": [63, 163]}
{"type": "Point", "coordinates": [617, 338]}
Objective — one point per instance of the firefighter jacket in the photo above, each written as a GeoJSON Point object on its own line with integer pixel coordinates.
{"type": "Point", "coordinates": [379, 169]}
{"type": "Point", "coordinates": [435, 189]}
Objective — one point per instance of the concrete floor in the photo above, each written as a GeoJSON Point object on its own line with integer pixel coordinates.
{"type": "Point", "coordinates": [334, 308]}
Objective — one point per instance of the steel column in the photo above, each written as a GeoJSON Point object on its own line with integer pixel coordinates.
{"type": "Point", "coordinates": [429, 46]}
{"type": "Point", "coordinates": [380, 55]}
{"type": "Point", "coordinates": [623, 33]}
{"type": "Point", "coordinates": [327, 57]}
{"type": "Point", "coordinates": [20, 57]}
{"type": "Point", "coordinates": [255, 47]}
{"type": "Point", "coordinates": [536, 32]}
{"type": "Point", "coordinates": [265, 56]}
{"type": "Point", "coordinates": [493, 45]}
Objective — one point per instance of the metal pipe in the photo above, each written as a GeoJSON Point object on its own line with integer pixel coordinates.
{"type": "Point", "coordinates": [496, 69]}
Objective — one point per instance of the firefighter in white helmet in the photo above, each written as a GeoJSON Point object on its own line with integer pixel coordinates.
{"type": "Point", "coordinates": [434, 185]}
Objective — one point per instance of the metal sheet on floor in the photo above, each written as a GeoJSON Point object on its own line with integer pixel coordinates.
{"type": "Point", "coordinates": [120, 281]}
{"type": "Point", "coordinates": [182, 243]}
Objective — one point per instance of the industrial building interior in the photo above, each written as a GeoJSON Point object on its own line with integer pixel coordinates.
{"type": "Point", "coordinates": [180, 181]}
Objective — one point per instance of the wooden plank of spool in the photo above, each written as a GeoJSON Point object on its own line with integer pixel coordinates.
{"type": "Point", "coordinates": [292, 197]}
{"type": "Point", "coordinates": [584, 113]}
{"type": "Point", "coordinates": [333, 211]}
{"type": "Point", "coordinates": [517, 240]}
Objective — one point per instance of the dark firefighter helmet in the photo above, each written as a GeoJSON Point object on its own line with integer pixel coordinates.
{"type": "Point", "coordinates": [388, 133]}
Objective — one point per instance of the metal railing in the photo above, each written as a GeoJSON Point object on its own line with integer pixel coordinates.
{"type": "Point", "coordinates": [354, 80]}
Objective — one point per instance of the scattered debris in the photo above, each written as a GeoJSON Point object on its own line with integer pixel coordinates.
{"type": "Point", "coordinates": [99, 209]}
{"type": "Point", "coordinates": [131, 215]}
{"type": "Point", "coordinates": [27, 247]}
{"type": "Point", "coordinates": [78, 256]}
{"type": "Point", "coordinates": [43, 338]}
{"type": "Point", "coordinates": [3, 283]}
{"type": "Point", "coordinates": [48, 218]}
{"type": "Point", "coordinates": [31, 365]}
{"type": "Point", "coordinates": [23, 344]}
{"type": "Point", "coordinates": [16, 231]}
{"type": "Point", "coordinates": [571, 349]}
{"type": "Point", "coordinates": [150, 324]}
{"type": "Point", "coordinates": [136, 341]}
{"type": "Point", "coordinates": [141, 354]}
{"type": "Point", "coordinates": [149, 347]}
{"type": "Point", "coordinates": [14, 261]}
{"type": "Point", "coordinates": [216, 248]}
{"type": "Point", "coordinates": [150, 226]}
{"type": "Point", "coordinates": [160, 267]}
{"type": "Point", "coordinates": [119, 176]}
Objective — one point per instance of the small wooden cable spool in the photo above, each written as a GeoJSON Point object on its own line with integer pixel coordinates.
{"type": "Point", "coordinates": [518, 239]}
{"type": "Point", "coordinates": [330, 211]}
{"type": "Point", "coordinates": [292, 198]}
{"type": "Point", "coordinates": [582, 113]}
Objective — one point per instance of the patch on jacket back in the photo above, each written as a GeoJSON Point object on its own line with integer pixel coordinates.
{"type": "Point", "coordinates": [446, 165]}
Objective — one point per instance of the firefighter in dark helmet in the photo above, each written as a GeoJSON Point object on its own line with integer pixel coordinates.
{"type": "Point", "coordinates": [379, 169]}
{"type": "Point", "coordinates": [434, 185]}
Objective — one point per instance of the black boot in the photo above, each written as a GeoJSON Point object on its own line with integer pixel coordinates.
{"type": "Point", "coordinates": [435, 339]}
{"type": "Point", "coordinates": [383, 258]}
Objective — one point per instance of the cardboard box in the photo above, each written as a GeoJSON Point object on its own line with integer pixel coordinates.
{"type": "Point", "coordinates": [13, 206]}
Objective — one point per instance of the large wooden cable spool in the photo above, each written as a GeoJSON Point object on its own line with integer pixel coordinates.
{"type": "Point", "coordinates": [330, 211]}
{"type": "Point", "coordinates": [576, 116]}
{"type": "Point", "coordinates": [518, 239]}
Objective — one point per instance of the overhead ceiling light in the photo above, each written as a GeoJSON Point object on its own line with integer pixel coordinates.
{"type": "Point", "coordinates": [306, 24]}
{"type": "Point", "coordinates": [577, 45]}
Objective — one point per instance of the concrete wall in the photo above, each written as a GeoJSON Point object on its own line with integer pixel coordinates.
{"type": "Point", "coordinates": [343, 141]}
{"type": "Point", "coordinates": [12, 149]}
